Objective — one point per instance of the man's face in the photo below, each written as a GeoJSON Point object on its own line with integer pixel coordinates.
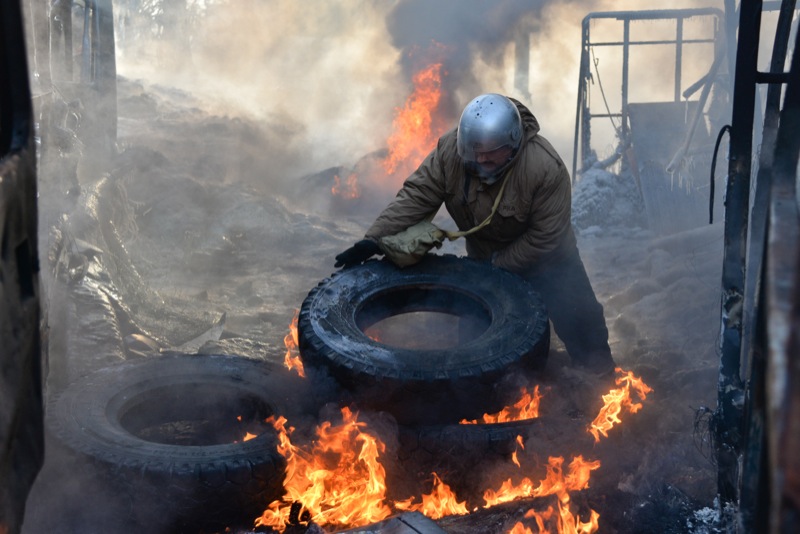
{"type": "Point", "coordinates": [492, 160]}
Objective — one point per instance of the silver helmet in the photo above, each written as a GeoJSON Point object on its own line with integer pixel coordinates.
{"type": "Point", "coordinates": [489, 123]}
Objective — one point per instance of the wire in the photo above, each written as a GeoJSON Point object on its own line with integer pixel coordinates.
{"type": "Point", "coordinates": [600, 85]}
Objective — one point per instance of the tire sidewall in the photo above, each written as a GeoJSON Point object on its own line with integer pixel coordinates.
{"type": "Point", "coordinates": [518, 320]}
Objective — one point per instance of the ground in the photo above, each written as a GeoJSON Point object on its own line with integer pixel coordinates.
{"type": "Point", "coordinates": [213, 230]}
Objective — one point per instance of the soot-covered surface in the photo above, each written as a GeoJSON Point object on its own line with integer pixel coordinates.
{"type": "Point", "coordinates": [212, 231]}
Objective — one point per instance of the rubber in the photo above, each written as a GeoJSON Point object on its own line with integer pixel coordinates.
{"type": "Point", "coordinates": [103, 419]}
{"type": "Point", "coordinates": [424, 385]}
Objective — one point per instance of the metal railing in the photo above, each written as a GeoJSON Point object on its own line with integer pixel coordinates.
{"type": "Point", "coordinates": [584, 115]}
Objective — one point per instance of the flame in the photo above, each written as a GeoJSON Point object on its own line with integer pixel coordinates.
{"type": "Point", "coordinates": [292, 358]}
{"type": "Point", "coordinates": [413, 135]}
{"type": "Point", "coordinates": [554, 483]}
{"type": "Point", "coordinates": [348, 189]}
{"type": "Point", "coordinates": [247, 434]}
{"type": "Point", "coordinates": [527, 407]}
{"type": "Point", "coordinates": [566, 523]}
{"type": "Point", "coordinates": [617, 399]}
{"type": "Point", "coordinates": [519, 528]}
{"type": "Point", "coordinates": [338, 480]}
{"type": "Point", "coordinates": [514, 458]}
{"type": "Point", "coordinates": [416, 128]}
{"type": "Point", "coordinates": [572, 524]}
{"type": "Point", "coordinates": [440, 502]}
{"type": "Point", "coordinates": [540, 518]}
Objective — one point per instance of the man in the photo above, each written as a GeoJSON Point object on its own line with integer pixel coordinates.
{"type": "Point", "coordinates": [497, 140]}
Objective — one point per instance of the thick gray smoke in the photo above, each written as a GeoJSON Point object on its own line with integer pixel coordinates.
{"type": "Point", "coordinates": [326, 77]}
{"type": "Point", "coordinates": [460, 32]}
{"type": "Point", "coordinates": [332, 75]}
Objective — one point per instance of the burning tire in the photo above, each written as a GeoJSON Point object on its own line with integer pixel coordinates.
{"type": "Point", "coordinates": [452, 451]}
{"type": "Point", "coordinates": [486, 323]}
{"type": "Point", "coordinates": [169, 435]}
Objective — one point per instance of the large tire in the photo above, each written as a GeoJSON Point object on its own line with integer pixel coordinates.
{"type": "Point", "coordinates": [165, 434]}
{"type": "Point", "coordinates": [420, 385]}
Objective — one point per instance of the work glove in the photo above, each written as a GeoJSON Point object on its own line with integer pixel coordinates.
{"type": "Point", "coordinates": [358, 253]}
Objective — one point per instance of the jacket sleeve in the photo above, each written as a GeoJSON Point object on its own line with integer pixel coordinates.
{"type": "Point", "coordinates": [421, 195]}
{"type": "Point", "coordinates": [548, 223]}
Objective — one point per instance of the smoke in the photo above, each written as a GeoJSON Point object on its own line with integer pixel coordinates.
{"type": "Point", "coordinates": [299, 87]}
{"type": "Point", "coordinates": [323, 71]}
{"type": "Point", "coordinates": [328, 76]}
{"type": "Point", "coordinates": [461, 33]}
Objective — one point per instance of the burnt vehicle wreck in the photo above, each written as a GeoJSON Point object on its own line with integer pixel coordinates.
{"type": "Point", "coordinates": [142, 352]}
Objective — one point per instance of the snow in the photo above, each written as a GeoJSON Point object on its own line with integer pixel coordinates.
{"type": "Point", "coordinates": [602, 201]}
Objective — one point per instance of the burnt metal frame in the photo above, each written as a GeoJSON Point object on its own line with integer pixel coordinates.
{"type": "Point", "coordinates": [583, 116]}
{"type": "Point", "coordinates": [783, 314]}
{"type": "Point", "coordinates": [757, 422]}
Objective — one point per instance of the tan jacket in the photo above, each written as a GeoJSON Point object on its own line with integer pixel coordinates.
{"type": "Point", "coordinates": [532, 225]}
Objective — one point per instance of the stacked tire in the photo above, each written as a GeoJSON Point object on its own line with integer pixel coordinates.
{"type": "Point", "coordinates": [421, 385]}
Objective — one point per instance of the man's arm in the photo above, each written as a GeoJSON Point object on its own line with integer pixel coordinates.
{"type": "Point", "coordinates": [422, 194]}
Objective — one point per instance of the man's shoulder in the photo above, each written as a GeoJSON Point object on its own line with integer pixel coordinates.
{"type": "Point", "coordinates": [448, 152]}
{"type": "Point", "coordinates": [539, 151]}
{"type": "Point", "coordinates": [448, 140]}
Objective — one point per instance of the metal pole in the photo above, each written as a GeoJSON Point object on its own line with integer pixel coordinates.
{"type": "Point", "coordinates": [625, 56]}
{"type": "Point", "coordinates": [728, 417]}
{"type": "Point", "coordinates": [581, 113]}
{"type": "Point", "coordinates": [678, 58]}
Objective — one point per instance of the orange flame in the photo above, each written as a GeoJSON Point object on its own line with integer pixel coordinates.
{"type": "Point", "coordinates": [540, 518]}
{"type": "Point", "coordinates": [292, 358]}
{"type": "Point", "coordinates": [617, 399]}
{"type": "Point", "coordinates": [554, 483]}
{"type": "Point", "coordinates": [413, 135]}
{"type": "Point", "coordinates": [348, 189]}
{"type": "Point", "coordinates": [566, 523]}
{"type": "Point", "coordinates": [440, 502]}
{"type": "Point", "coordinates": [339, 480]}
{"type": "Point", "coordinates": [521, 445]}
{"type": "Point", "coordinates": [519, 528]}
{"type": "Point", "coordinates": [572, 524]}
{"type": "Point", "coordinates": [247, 434]}
{"type": "Point", "coordinates": [527, 407]}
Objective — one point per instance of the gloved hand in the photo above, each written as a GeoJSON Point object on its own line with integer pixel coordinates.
{"type": "Point", "coordinates": [358, 253]}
